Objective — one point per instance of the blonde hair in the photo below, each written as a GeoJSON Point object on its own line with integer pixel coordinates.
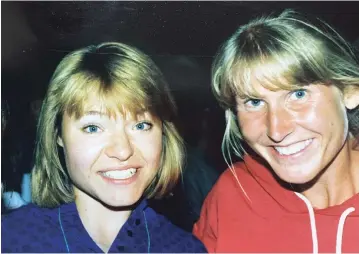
{"type": "Point", "coordinates": [124, 78]}
{"type": "Point", "coordinates": [281, 52]}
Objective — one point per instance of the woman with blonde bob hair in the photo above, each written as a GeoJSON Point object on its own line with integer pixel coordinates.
{"type": "Point", "coordinates": [105, 143]}
{"type": "Point", "coordinates": [290, 90]}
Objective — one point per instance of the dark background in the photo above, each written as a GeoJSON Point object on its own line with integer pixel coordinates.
{"type": "Point", "coordinates": [36, 35]}
{"type": "Point", "coordinates": [182, 37]}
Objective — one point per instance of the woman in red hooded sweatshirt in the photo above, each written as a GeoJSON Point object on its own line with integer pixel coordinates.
{"type": "Point", "coordinates": [290, 90]}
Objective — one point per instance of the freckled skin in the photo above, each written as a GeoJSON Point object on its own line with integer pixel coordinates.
{"type": "Point", "coordinates": [282, 120]}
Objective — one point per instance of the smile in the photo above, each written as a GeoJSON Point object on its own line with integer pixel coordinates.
{"type": "Point", "coordinates": [120, 174]}
{"type": "Point", "coordinates": [293, 149]}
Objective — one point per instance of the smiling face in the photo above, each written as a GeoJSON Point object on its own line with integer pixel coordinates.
{"type": "Point", "coordinates": [111, 159]}
{"type": "Point", "coordinates": [299, 133]}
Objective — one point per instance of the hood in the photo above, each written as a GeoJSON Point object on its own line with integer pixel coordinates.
{"type": "Point", "coordinates": [281, 193]}
{"type": "Point", "coordinates": [295, 203]}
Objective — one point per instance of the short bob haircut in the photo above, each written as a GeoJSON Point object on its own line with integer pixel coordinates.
{"type": "Point", "coordinates": [280, 52]}
{"type": "Point", "coordinates": [124, 79]}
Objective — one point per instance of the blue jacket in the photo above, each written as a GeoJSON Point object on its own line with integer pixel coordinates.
{"type": "Point", "coordinates": [34, 229]}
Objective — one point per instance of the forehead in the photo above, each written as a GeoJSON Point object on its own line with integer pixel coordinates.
{"type": "Point", "coordinates": [255, 86]}
{"type": "Point", "coordinates": [273, 72]}
{"type": "Point", "coordinates": [121, 112]}
{"type": "Point", "coordinates": [82, 90]}
{"type": "Point", "coordinates": [107, 104]}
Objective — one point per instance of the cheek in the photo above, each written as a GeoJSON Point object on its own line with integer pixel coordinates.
{"type": "Point", "coordinates": [339, 124]}
{"type": "Point", "coordinates": [81, 156]}
{"type": "Point", "coordinates": [246, 124]}
{"type": "Point", "coordinates": [326, 118]}
{"type": "Point", "coordinates": [308, 116]}
{"type": "Point", "coordinates": [150, 148]}
{"type": "Point", "coordinates": [153, 150]}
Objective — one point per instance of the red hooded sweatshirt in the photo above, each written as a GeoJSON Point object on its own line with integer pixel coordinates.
{"type": "Point", "coordinates": [274, 219]}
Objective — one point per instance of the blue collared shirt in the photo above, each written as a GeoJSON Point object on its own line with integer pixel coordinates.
{"type": "Point", "coordinates": [34, 229]}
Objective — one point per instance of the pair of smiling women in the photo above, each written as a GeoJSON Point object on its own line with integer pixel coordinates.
{"type": "Point", "coordinates": [106, 142]}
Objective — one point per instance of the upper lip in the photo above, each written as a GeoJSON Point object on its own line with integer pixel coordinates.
{"type": "Point", "coordinates": [286, 145]}
{"type": "Point", "coordinates": [118, 168]}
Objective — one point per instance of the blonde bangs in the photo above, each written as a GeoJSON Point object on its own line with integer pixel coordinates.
{"type": "Point", "coordinates": [125, 97]}
{"type": "Point", "coordinates": [278, 72]}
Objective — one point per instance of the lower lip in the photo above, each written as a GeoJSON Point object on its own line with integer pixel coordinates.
{"type": "Point", "coordinates": [121, 181]}
{"type": "Point", "coordinates": [294, 155]}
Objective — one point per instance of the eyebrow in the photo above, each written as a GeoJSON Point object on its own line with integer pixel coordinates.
{"type": "Point", "coordinates": [248, 96]}
{"type": "Point", "coordinates": [102, 114]}
{"type": "Point", "coordinates": [94, 112]}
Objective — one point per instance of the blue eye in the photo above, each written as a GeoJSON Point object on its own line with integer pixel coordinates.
{"type": "Point", "coordinates": [91, 129]}
{"type": "Point", "coordinates": [253, 103]}
{"type": "Point", "coordinates": [299, 94]}
{"type": "Point", "coordinates": [143, 126]}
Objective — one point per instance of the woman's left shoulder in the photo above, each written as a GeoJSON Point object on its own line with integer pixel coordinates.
{"type": "Point", "coordinates": [172, 238]}
{"type": "Point", "coordinates": [24, 228]}
{"type": "Point", "coordinates": [22, 215]}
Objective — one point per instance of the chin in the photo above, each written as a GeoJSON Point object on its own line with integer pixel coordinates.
{"type": "Point", "coordinates": [124, 201]}
{"type": "Point", "coordinates": [123, 204]}
{"type": "Point", "coordinates": [297, 179]}
{"type": "Point", "coordinates": [296, 175]}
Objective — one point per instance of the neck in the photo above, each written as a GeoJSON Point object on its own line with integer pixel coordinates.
{"type": "Point", "coordinates": [339, 182]}
{"type": "Point", "coordinates": [102, 223]}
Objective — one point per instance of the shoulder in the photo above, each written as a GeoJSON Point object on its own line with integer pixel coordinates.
{"type": "Point", "coordinates": [244, 175]}
{"type": "Point", "coordinates": [233, 178]}
{"type": "Point", "coordinates": [243, 180]}
{"type": "Point", "coordinates": [24, 227]}
{"type": "Point", "coordinates": [27, 214]}
{"type": "Point", "coordinates": [171, 238]}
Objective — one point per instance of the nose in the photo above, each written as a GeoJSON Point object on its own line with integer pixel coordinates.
{"type": "Point", "coordinates": [120, 147]}
{"type": "Point", "coordinates": [280, 124]}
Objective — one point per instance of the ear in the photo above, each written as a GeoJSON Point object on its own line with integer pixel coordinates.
{"type": "Point", "coordinates": [59, 141]}
{"type": "Point", "coordinates": [351, 96]}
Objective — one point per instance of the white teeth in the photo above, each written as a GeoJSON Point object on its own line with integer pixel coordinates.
{"type": "Point", "coordinates": [120, 174]}
{"type": "Point", "coordinates": [292, 149]}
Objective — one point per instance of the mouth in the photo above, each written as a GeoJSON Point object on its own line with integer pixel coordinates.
{"type": "Point", "coordinates": [119, 174]}
{"type": "Point", "coordinates": [293, 149]}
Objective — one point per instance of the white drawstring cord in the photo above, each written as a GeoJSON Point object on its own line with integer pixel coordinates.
{"type": "Point", "coordinates": [312, 222]}
{"type": "Point", "coordinates": [344, 215]}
